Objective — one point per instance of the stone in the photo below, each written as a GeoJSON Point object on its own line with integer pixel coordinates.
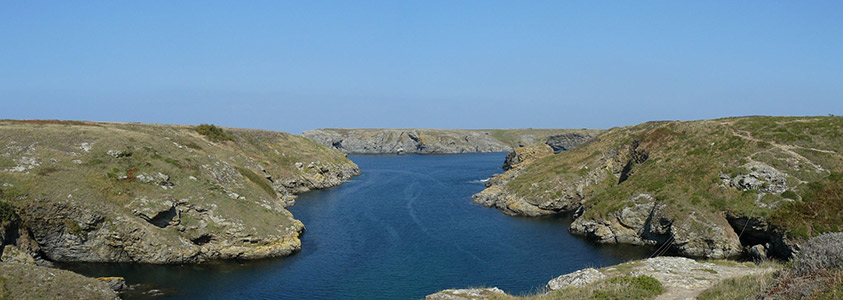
{"type": "Point", "coordinates": [467, 294]}
{"type": "Point", "coordinates": [564, 142]}
{"type": "Point", "coordinates": [758, 252]}
{"type": "Point", "coordinates": [13, 254]}
{"type": "Point", "coordinates": [762, 178]}
{"type": "Point", "coordinates": [115, 283]}
{"type": "Point", "coordinates": [521, 155]}
{"type": "Point", "coordinates": [578, 278]}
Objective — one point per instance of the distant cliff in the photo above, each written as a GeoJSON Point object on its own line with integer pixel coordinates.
{"type": "Point", "coordinates": [381, 141]}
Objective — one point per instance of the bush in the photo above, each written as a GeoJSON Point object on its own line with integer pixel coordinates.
{"type": "Point", "coordinates": [213, 132]}
{"type": "Point", "coordinates": [824, 252]}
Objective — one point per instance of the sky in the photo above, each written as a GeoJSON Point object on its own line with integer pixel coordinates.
{"type": "Point", "coordinates": [301, 65]}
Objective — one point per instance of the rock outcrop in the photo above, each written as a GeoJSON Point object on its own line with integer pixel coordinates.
{"type": "Point", "coordinates": [524, 154]}
{"type": "Point", "coordinates": [681, 278]}
{"type": "Point", "coordinates": [114, 192]}
{"type": "Point", "coordinates": [466, 294]}
{"type": "Point", "coordinates": [579, 278]}
{"type": "Point", "coordinates": [699, 188]}
{"type": "Point", "coordinates": [21, 281]}
{"type": "Point", "coordinates": [562, 142]}
{"type": "Point", "coordinates": [397, 141]}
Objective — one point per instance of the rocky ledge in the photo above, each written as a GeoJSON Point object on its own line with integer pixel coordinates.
{"type": "Point", "coordinates": [714, 188]}
{"type": "Point", "coordinates": [117, 192]}
{"type": "Point", "coordinates": [397, 141]}
{"type": "Point", "coordinates": [663, 278]}
{"type": "Point", "coordinates": [23, 281]}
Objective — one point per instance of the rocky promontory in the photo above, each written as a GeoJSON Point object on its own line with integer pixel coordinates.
{"type": "Point", "coordinates": [396, 141]}
{"type": "Point", "coordinates": [125, 192]}
{"type": "Point", "coordinates": [711, 188]}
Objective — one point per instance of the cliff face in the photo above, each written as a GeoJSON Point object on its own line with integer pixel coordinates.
{"type": "Point", "coordinates": [703, 188]}
{"type": "Point", "coordinates": [113, 192]}
{"type": "Point", "coordinates": [378, 141]}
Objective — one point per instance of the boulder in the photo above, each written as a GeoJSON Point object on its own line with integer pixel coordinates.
{"type": "Point", "coordinates": [578, 278]}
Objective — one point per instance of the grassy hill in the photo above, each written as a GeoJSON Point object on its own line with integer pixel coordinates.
{"type": "Point", "coordinates": [701, 188]}
{"type": "Point", "coordinates": [86, 191]}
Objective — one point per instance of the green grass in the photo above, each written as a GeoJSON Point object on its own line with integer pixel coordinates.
{"type": "Point", "coordinates": [745, 287]}
{"type": "Point", "coordinates": [614, 288]}
{"type": "Point", "coordinates": [258, 180]}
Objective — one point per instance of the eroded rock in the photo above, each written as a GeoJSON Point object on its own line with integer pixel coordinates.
{"type": "Point", "coordinates": [578, 278]}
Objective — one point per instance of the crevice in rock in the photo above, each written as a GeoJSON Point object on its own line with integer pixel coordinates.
{"type": "Point", "coordinates": [626, 172]}
{"type": "Point", "coordinates": [635, 157]}
{"type": "Point", "coordinates": [162, 219]}
{"type": "Point", "coordinates": [202, 239]}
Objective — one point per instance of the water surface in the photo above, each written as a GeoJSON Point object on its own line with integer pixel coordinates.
{"type": "Point", "coordinates": [403, 229]}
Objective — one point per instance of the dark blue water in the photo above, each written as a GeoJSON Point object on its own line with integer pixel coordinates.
{"type": "Point", "coordinates": [404, 229]}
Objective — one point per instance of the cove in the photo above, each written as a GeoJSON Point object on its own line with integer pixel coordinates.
{"type": "Point", "coordinates": [403, 229]}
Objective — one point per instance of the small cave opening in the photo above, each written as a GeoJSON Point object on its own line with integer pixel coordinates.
{"type": "Point", "coordinates": [202, 239]}
{"type": "Point", "coordinates": [163, 219]}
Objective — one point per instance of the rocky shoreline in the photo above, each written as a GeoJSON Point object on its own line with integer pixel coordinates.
{"type": "Point", "coordinates": [160, 194]}
{"type": "Point", "coordinates": [623, 185]}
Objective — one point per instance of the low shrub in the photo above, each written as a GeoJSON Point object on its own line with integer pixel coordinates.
{"type": "Point", "coordinates": [824, 252]}
{"type": "Point", "coordinates": [213, 132]}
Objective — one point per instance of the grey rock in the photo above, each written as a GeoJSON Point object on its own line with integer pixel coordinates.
{"type": "Point", "coordinates": [524, 154]}
{"type": "Point", "coordinates": [762, 178]}
{"type": "Point", "coordinates": [578, 278]}
{"type": "Point", "coordinates": [758, 252]}
{"type": "Point", "coordinates": [13, 254]}
{"type": "Point", "coordinates": [466, 294]}
{"type": "Point", "coordinates": [645, 223]}
{"type": "Point", "coordinates": [115, 283]}
{"type": "Point", "coordinates": [564, 142]}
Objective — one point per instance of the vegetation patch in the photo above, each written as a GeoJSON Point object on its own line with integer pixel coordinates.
{"type": "Point", "coordinates": [258, 180]}
{"type": "Point", "coordinates": [745, 287]}
{"type": "Point", "coordinates": [620, 287]}
{"type": "Point", "coordinates": [59, 122]}
{"type": "Point", "coordinates": [820, 211]}
{"type": "Point", "coordinates": [213, 133]}
{"type": "Point", "coordinates": [7, 212]}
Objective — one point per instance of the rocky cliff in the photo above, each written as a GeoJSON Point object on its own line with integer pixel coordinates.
{"type": "Point", "coordinates": [376, 141]}
{"type": "Point", "coordinates": [117, 192]}
{"type": "Point", "coordinates": [710, 188]}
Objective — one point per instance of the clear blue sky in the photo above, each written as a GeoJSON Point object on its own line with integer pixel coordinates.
{"type": "Point", "coordinates": [301, 65]}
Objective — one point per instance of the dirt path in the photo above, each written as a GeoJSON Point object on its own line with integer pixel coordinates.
{"type": "Point", "coordinates": [685, 278]}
